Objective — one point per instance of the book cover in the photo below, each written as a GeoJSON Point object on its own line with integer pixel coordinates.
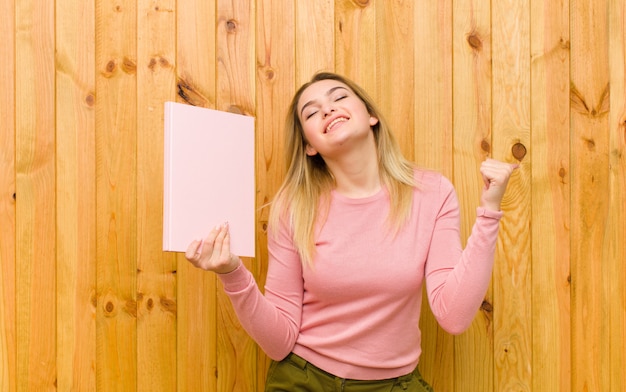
{"type": "Point", "coordinates": [208, 177]}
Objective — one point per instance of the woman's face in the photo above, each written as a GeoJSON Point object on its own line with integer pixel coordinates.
{"type": "Point", "coordinates": [333, 118]}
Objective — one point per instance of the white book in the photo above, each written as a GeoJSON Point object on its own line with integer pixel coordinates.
{"type": "Point", "coordinates": [208, 177]}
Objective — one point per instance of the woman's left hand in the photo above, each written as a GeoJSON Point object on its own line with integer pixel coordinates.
{"type": "Point", "coordinates": [496, 176]}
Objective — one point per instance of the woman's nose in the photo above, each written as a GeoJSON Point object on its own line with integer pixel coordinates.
{"type": "Point", "coordinates": [327, 110]}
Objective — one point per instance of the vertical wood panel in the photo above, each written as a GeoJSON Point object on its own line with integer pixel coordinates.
{"type": "Point", "coordinates": [116, 186]}
{"type": "Point", "coordinates": [196, 326]}
{"type": "Point", "coordinates": [36, 202]}
{"type": "Point", "coordinates": [433, 136]}
{"type": "Point", "coordinates": [615, 242]}
{"type": "Point", "coordinates": [314, 46]}
{"type": "Point", "coordinates": [550, 196]}
{"type": "Point", "coordinates": [355, 41]}
{"type": "Point", "coordinates": [275, 56]}
{"type": "Point", "coordinates": [156, 270]}
{"type": "Point", "coordinates": [471, 80]}
{"type": "Point", "coordinates": [590, 193]}
{"type": "Point", "coordinates": [76, 195]}
{"type": "Point", "coordinates": [8, 377]}
{"type": "Point", "coordinates": [396, 83]}
{"type": "Point", "coordinates": [237, 353]}
{"type": "Point", "coordinates": [511, 133]}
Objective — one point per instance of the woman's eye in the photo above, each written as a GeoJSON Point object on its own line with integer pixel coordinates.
{"type": "Point", "coordinates": [339, 98]}
{"type": "Point", "coordinates": [308, 116]}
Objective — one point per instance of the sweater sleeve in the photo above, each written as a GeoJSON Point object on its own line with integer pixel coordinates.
{"type": "Point", "coordinates": [273, 319]}
{"type": "Point", "coordinates": [457, 279]}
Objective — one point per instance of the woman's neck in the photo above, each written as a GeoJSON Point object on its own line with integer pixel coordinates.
{"type": "Point", "coordinates": [357, 174]}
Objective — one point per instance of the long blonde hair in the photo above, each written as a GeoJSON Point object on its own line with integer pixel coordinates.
{"type": "Point", "coordinates": [303, 197]}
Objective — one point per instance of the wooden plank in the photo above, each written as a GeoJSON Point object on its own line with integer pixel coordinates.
{"type": "Point", "coordinates": [396, 83]}
{"type": "Point", "coordinates": [76, 195]}
{"type": "Point", "coordinates": [116, 173]}
{"type": "Point", "coordinates": [237, 353]}
{"type": "Point", "coordinates": [511, 141]}
{"type": "Point", "coordinates": [315, 45]}
{"type": "Point", "coordinates": [355, 43]}
{"type": "Point", "coordinates": [590, 187]}
{"type": "Point", "coordinates": [550, 142]}
{"type": "Point", "coordinates": [433, 138]}
{"type": "Point", "coordinates": [196, 289]}
{"type": "Point", "coordinates": [433, 85]}
{"type": "Point", "coordinates": [275, 58]}
{"type": "Point", "coordinates": [615, 243]}
{"type": "Point", "coordinates": [156, 270]}
{"type": "Point", "coordinates": [35, 201]}
{"type": "Point", "coordinates": [7, 201]}
{"type": "Point", "coordinates": [471, 143]}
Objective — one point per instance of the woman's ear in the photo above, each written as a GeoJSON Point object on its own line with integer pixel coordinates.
{"type": "Point", "coordinates": [310, 151]}
{"type": "Point", "coordinates": [373, 121]}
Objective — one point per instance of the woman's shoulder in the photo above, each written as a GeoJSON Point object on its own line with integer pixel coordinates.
{"type": "Point", "coordinates": [430, 179]}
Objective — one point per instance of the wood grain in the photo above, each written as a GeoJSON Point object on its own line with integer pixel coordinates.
{"type": "Point", "coordinates": [236, 352]}
{"type": "Point", "coordinates": [116, 187]}
{"type": "Point", "coordinates": [156, 270]}
{"type": "Point", "coordinates": [395, 91]}
{"type": "Point", "coordinates": [614, 246]}
{"type": "Point", "coordinates": [471, 144]}
{"type": "Point", "coordinates": [356, 43]}
{"type": "Point", "coordinates": [275, 80]}
{"type": "Point", "coordinates": [76, 195]}
{"type": "Point", "coordinates": [315, 43]}
{"type": "Point", "coordinates": [196, 326]}
{"type": "Point", "coordinates": [8, 377]}
{"type": "Point", "coordinates": [35, 214]}
{"type": "Point", "coordinates": [511, 128]}
{"type": "Point", "coordinates": [551, 333]}
{"type": "Point", "coordinates": [433, 135]}
{"type": "Point", "coordinates": [590, 187]}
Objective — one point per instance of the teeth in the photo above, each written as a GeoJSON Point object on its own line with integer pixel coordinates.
{"type": "Point", "coordinates": [335, 121]}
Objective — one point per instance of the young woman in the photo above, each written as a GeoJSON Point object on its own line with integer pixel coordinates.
{"type": "Point", "coordinates": [355, 231]}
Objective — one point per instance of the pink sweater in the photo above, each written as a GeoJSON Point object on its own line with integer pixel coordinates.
{"type": "Point", "coordinates": [356, 312]}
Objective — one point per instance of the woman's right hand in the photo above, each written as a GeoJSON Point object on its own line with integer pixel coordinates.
{"type": "Point", "coordinates": [213, 252]}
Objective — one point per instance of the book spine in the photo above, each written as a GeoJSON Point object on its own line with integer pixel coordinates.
{"type": "Point", "coordinates": [167, 186]}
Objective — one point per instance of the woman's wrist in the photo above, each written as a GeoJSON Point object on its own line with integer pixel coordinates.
{"type": "Point", "coordinates": [230, 267]}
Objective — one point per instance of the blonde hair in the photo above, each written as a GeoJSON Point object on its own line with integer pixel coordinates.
{"type": "Point", "coordinates": [302, 199]}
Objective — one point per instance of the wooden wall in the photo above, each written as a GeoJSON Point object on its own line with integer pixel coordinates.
{"type": "Point", "coordinates": [89, 302]}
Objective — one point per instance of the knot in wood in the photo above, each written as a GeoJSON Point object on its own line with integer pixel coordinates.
{"type": "Point", "coordinates": [234, 109]}
{"type": "Point", "coordinates": [475, 42]}
{"type": "Point", "coordinates": [485, 146]}
{"type": "Point", "coordinates": [90, 99]}
{"type": "Point", "coordinates": [163, 62]}
{"type": "Point", "coordinates": [168, 305]}
{"type": "Point", "coordinates": [109, 69]}
{"type": "Point", "coordinates": [486, 306]}
{"type": "Point", "coordinates": [519, 151]}
{"type": "Point", "coordinates": [152, 64]}
{"type": "Point", "coordinates": [129, 66]}
{"type": "Point", "coordinates": [231, 26]}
